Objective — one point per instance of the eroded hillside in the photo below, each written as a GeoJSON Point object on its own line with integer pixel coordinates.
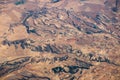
{"type": "Point", "coordinates": [59, 39]}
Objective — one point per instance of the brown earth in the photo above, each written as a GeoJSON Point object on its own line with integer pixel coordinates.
{"type": "Point", "coordinates": [59, 39]}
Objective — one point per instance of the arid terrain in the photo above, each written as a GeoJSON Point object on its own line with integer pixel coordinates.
{"type": "Point", "coordinates": [59, 39]}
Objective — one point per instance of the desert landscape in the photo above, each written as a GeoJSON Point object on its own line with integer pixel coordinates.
{"type": "Point", "coordinates": [59, 39]}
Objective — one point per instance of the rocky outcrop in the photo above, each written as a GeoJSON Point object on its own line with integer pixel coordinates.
{"type": "Point", "coordinates": [116, 8]}
{"type": "Point", "coordinates": [54, 1]}
{"type": "Point", "coordinates": [72, 69]}
{"type": "Point", "coordinates": [19, 2]}
{"type": "Point", "coordinates": [13, 65]}
{"type": "Point", "coordinates": [59, 39]}
{"type": "Point", "coordinates": [48, 48]}
{"type": "Point", "coordinates": [33, 14]}
{"type": "Point", "coordinates": [78, 65]}
{"type": "Point", "coordinates": [23, 43]}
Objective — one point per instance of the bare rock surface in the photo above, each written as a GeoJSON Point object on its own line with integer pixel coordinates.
{"type": "Point", "coordinates": [59, 39]}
